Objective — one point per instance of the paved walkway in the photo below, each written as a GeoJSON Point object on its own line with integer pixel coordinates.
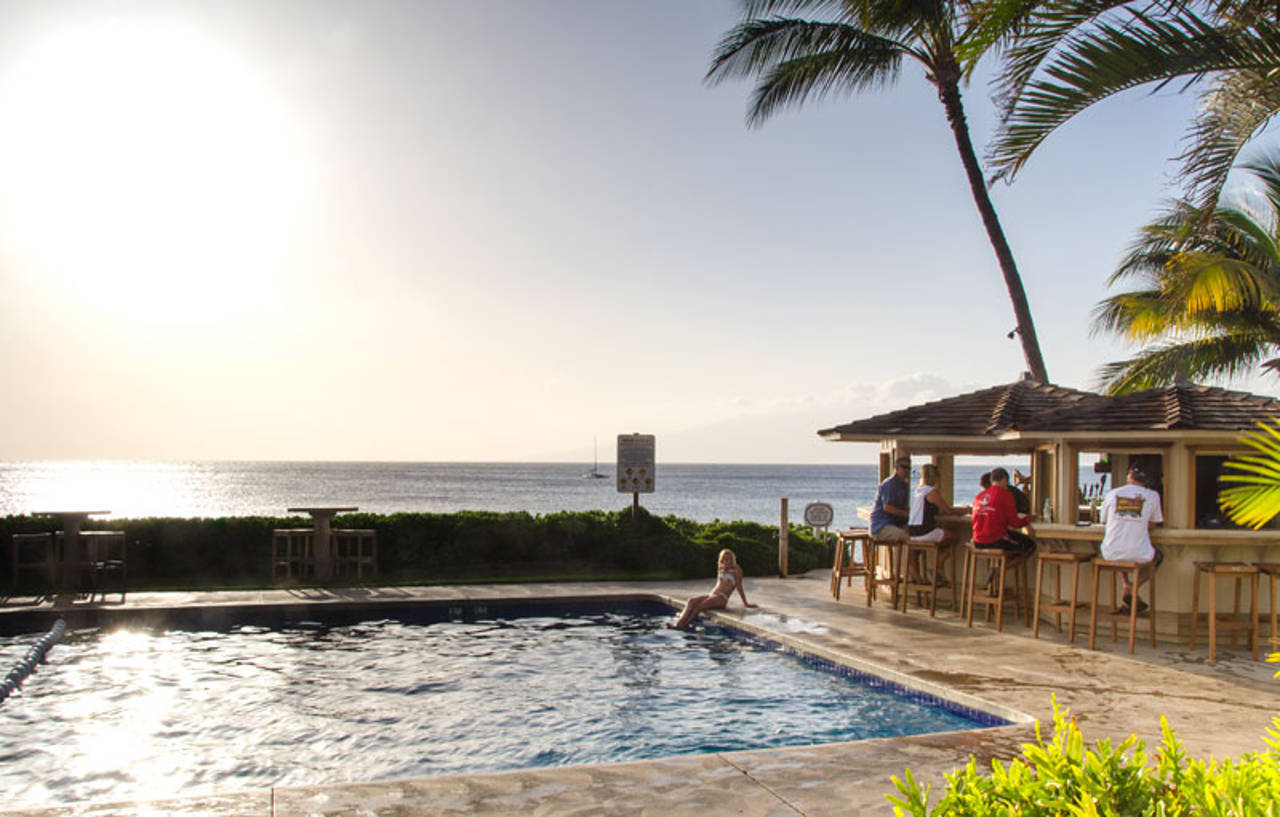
{"type": "Point", "coordinates": [1221, 710]}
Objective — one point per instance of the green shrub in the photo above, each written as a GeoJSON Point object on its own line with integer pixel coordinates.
{"type": "Point", "coordinates": [235, 551]}
{"type": "Point", "coordinates": [1063, 777]}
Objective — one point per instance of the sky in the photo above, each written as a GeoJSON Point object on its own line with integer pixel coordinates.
{"type": "Point", "coordinates": [484, 230]}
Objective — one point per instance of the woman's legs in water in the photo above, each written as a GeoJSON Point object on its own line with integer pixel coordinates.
{"type": "Point", "coordinates": [696, 605]}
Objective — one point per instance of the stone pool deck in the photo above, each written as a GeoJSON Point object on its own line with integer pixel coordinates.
{"type": "Point", "coordinates": [1217, 710]}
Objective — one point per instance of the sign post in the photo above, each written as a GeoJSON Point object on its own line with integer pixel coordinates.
{"type": "Point", "coordinates": [636, 473]}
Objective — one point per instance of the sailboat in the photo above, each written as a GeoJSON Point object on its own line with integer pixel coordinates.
{"type": "Point", "coordinates": [594, 473]}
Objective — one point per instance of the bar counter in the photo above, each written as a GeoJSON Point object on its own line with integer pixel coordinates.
{"type": "Point", "coordinates": [1182, 547]}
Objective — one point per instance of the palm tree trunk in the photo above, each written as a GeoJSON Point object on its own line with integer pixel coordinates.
{"type": "Point", "coordinates": [949, 93]}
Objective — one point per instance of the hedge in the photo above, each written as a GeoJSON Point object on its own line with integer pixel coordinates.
{"type": "Point", "coordinates": [427, 547]}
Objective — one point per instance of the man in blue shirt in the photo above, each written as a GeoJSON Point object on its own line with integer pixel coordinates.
{"type": "Point", "coordinates": [889, 515]}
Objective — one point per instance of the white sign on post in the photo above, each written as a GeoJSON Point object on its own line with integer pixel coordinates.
{"type": "Point", "coordinates": [635, 463]}
{"type": "Point", "coordinates": [818, 514]}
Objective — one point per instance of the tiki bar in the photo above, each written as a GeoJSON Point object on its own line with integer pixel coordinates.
{"type": "Point", "coordinates": [1179, 435]}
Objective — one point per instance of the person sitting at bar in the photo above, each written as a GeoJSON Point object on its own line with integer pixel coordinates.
{"type": "Point", "coordinates": [1021, 501]}
{"type": "Point", "coordinates": [889, 514]}
{"type": "Point", "coordinates": [996, 519]}
{"type": "Point", "coordinates": [922, 524]}
{"type": "Point", "coordinates": [1129, 512]}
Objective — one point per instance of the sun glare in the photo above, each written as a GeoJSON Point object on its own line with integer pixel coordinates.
{"type": "Point", "coordinates": [145, 164]}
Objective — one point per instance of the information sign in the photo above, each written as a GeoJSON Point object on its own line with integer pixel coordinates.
{"type": "Point", "coordinates": [635, 463]}
{"type": "Point", "coordinates": [819, 514]}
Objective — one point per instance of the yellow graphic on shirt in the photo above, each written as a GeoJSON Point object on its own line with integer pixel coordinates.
{"type": "Point", "coordinates": [1129, 505]}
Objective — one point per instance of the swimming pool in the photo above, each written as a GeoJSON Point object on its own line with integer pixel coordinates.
{"type": "Point", "coordinates": [408, 692]}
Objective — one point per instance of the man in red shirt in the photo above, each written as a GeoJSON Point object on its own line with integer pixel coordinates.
{"type": "Point", "coordinates": [996, 519]}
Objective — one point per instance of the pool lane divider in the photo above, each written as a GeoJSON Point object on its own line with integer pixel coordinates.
{"type": "Point", "coordinates": [38, 654]}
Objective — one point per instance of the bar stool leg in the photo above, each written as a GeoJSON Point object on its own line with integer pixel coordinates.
{"type": "Point", "coordinates": [1151, 609]}
{"type": "Point", "coordinates": [1071, 617]}
{"type": "Point", "coordinates": [1115, 627]}
{"type": "Point", "coordinates": [1235, 612]}
{"type": "Point", "coordinates": [1057, 595]}
{"type": "Point", "coordinates": [1093, 606]}
{"type": "Point", "coordinates": [1253, 614]}
{"type": "Point", "coordinates": [937, 571]}
{"type": "Point", "coordinates": [872, 557]}
{"type": "Point", "coordinates": [1195, 603]}
{"type": "Point", "coordinates": [1275, 636]}
{"type": "Point", "coordinates": [1035, 625]}
{"type": "Point", "coordinates": [1000, 596]}
{"type": "Point", "coordinates": [1213, 619]}
{"type": "Point", "coordinates": [1133, 610]}
{"type": "Point", "coordinates": [956, 592]}
{"type": "Point", "coordinates": [970, 572]}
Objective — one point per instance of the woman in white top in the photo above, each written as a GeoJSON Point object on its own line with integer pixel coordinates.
{"type": "Point", "coordinates": [926, 503]}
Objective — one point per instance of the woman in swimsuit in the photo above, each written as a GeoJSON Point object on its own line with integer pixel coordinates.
{"type": "Point", "coordinates": [728, 577]}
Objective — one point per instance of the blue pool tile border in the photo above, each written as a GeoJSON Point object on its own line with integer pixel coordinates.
{"type": "Point", "coordinates": [986, 719]}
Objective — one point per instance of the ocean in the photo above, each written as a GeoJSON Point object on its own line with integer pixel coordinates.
{"type": "Point", "coordinates": [210, 489]}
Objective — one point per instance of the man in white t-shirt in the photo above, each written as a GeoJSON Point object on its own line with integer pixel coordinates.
{"type": "Point", "coordinates": [1129, 512]}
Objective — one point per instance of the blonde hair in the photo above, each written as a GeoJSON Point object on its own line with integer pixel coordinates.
{"type": "Point", "coordinates": [732, 558]}
{"type": "Point", "coordinates": [929, 474]}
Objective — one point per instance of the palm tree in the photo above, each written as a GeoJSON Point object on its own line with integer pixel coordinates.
{"type": "Point", "coordinates": [1067, 55]}
{"type": "Point", "coordinates": [858, 45]}
{"type": "Point", "coordinates": [1209, 298]}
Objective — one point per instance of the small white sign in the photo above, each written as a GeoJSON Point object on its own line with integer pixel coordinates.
{"type": "Point", "coordinates": [636, 472]}
{"type": "Point", "coordinates": [818, 514]}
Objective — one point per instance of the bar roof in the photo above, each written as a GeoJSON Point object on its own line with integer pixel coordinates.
{"type": "Point", "coordinates": [1029, 406]}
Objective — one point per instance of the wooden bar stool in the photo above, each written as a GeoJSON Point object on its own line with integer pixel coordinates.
{"type": "Point", "coordinates": [891, 553]}
{"type": "Point", "coordinates": [1057, 560]}
{"type": "Point", "coordinates": [1236, 622]}
{"type": "Point", "coordinates": [1272, 571]}
{"type": "Point", "coordinates": [851, 557]}
{"type": "Point", "coordinates": [917, 554]}
{"type": "Point", "coordinates": [1116, 567]}
{"type": "Point", "coordinates": [997, 559]}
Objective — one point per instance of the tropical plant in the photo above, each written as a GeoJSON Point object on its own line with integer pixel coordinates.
{"type": "Point", "coordinates": [1063, 776]}
{"type": "Point", "coordinates": [1254, 499]}
{"type": "Point", "coordinates": [1209, 294]}
{"type": "Point", "coordinates": [856, 45]}
{"type": "Point", "coordinates": [1066, 55]}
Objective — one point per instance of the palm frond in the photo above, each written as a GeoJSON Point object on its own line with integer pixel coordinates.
{"type": "Point", "coordinates": [1254, 499]}
{"type": "Point", "coordinates": [811, 8]}
{"type": "Point", "coordinates": [1137, 315]}
{"type": "Point", "coordinates": [1233, 110]}
{"type": "Point", "coordinates": [1109, 59]}
{"type": "Point", "coordinates": [1200, 359]}
{"type": "Point", "coordinates": [1039, 32]}
{"type": "Point", "coordinates": [800, 59]}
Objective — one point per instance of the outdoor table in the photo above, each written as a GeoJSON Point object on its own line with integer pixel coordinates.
{"type": "Point", "coordinates": [323, 519]}
{"type": "Point", "coordinates": [71, 522]}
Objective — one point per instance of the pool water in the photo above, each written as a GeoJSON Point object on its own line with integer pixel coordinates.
{"type": "Point", "coordinates": [137, 714]}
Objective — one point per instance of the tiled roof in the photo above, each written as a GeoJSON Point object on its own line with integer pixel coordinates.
{"type": "Point", "coordinates": [979, 413]}
{"type": "Point", "coordinates": [1029, 406]}
{"type": "Point", "coordinates": [1184, 407]}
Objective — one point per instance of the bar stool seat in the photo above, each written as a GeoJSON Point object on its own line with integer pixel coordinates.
{"type": "Point", "coordinates": [997, 559]}
{"type": "Point", "coordinates": [1058, 560]}
{"type": "Point", "coordinates": [1116, 567]}
{"type": "Point", "coordinates": [1235, 622]}
{"type": "Point", "coordinates": [845, 566]}
{"type": "Point", "coordinates": [913, 549]}
{"type": "Point", "coordinates": [1272, 571]}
